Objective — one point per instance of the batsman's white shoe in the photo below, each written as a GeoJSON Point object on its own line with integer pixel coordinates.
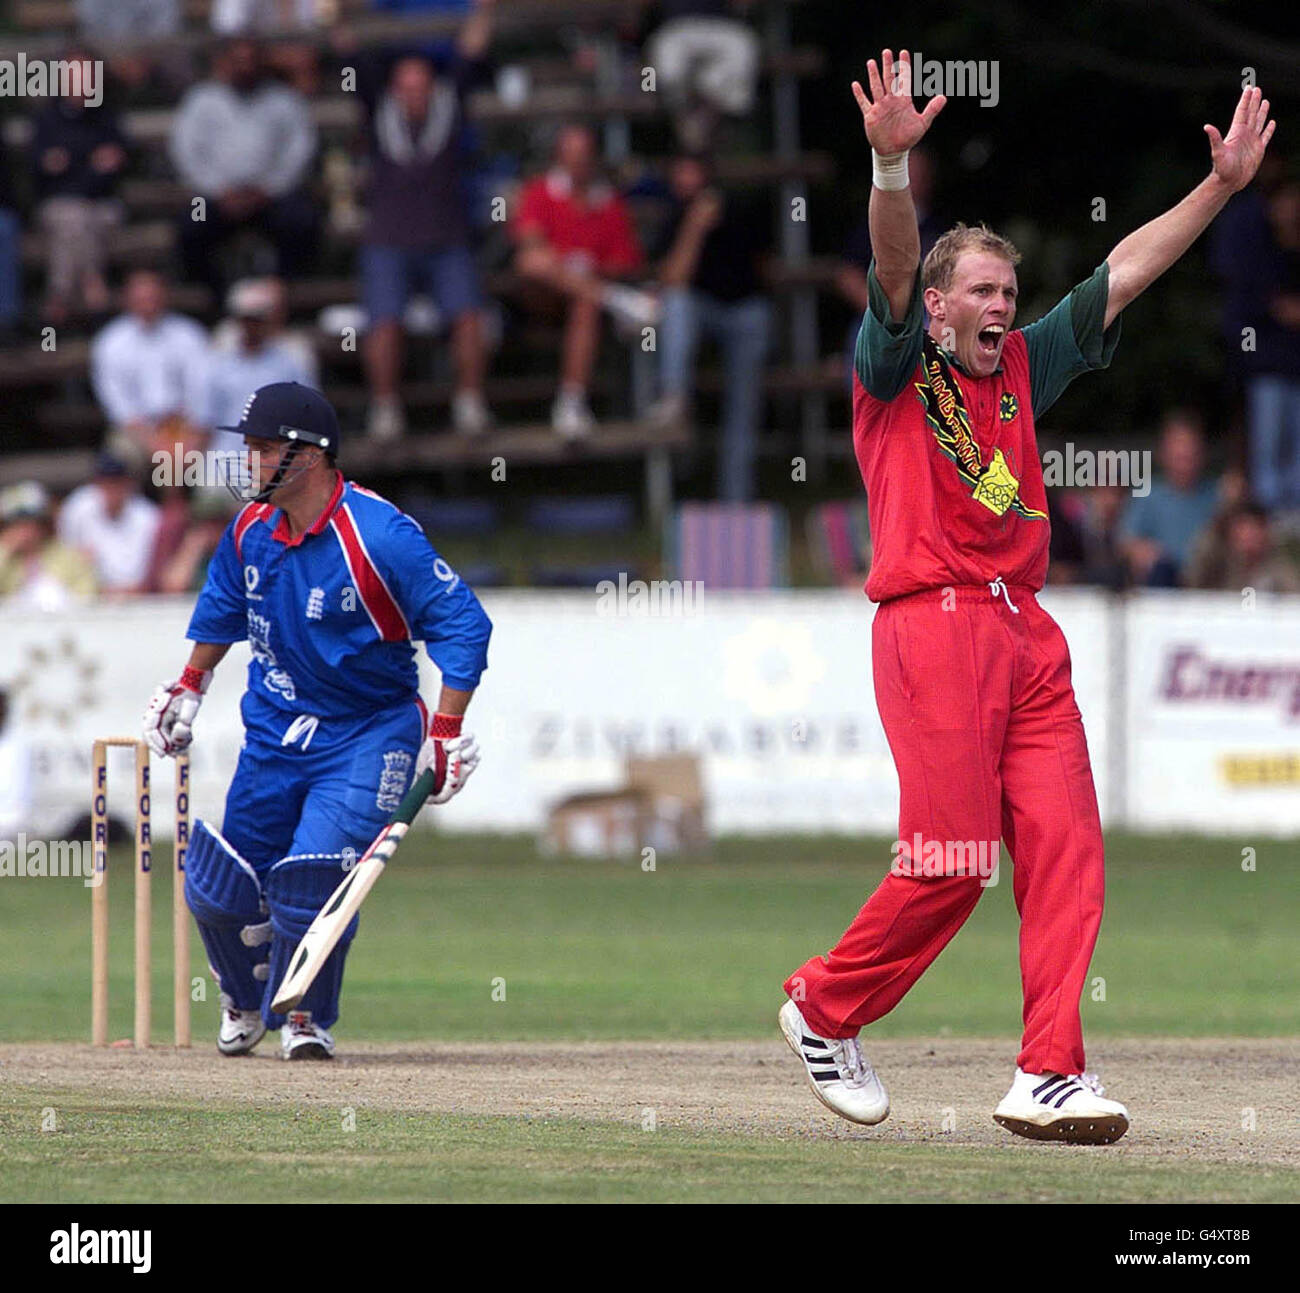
{"type": "Point", "coordinates": [300, 1039]}
{"type": "Point", "coordinates": [837, 1071]}
{"type": "Point", "coordinates": [241, 1030]}
{"type": "Point", "coordinates": [1053, 1106]}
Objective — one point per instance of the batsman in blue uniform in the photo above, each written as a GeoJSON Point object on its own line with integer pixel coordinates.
{"type": "Point", "coordinates": [329, 584]}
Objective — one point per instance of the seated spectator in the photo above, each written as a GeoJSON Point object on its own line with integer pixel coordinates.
{"type": "Point", "coordinates": [186, 542]}
{"type": "Point", "coordinates": [227, 335]}
{"type": "Point", "coordinates": [243, 17]}
{"type": "Point", "coordinates": [138, 38]}
{"type": "Point", "coordinates": [1066, 550]}
{"type": "Point", "coordinates": [246, 144]}
{"type": "Point", "coordinates": [125, 23]}
{"type": "Point", "coordinates": [78, 156]}
{"type": "Point", "coordinates": [706, 64]}
{"type": "Point", "coordinates": [709, 270]}
{"type": "Point", "coordinates": [574, 236]}
{"type": "Point", "coordinates": [417, 235]}
{"type": "Point", "coordinates": [257, 359]}
{"type": "Point", "coordinates": [1160, 529]}
{"type": "Point", "coordinates": [113, 526]}
{"type": "Point", "coordinates": [11, 232]}
{"type": "Point", "coordinates": [37, 572]}
{"type": "Point", "coordinates": [147, 368]}
{"type": "Point", "coordinates": [1255, 251]}
{"type": "Point", "coordinates": [1099, 520]}
{"type": "Point", "coordinates": [1238, 551]}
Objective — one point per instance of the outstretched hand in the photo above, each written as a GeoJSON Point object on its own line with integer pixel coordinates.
{"type": "Point", "coordinates": [891, 121]}
{"type": "Point", "coordinates": [1237, 158]}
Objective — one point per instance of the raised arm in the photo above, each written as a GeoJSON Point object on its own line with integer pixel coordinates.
{"type": "Point", "coordinates": [893, 127]}
{"type": "Point", "coordinates": [1146, 253]}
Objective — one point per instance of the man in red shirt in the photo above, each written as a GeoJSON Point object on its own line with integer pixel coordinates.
{"type": "Point", "coordinates": [972, 677]}
{"type": "Point", "coordinates": [575, 236]}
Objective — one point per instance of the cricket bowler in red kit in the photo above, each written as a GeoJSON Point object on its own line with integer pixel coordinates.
{"type": "Point", "coordinates": [972, 676]}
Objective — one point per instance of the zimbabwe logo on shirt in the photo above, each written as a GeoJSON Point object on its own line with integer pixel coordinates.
{"type": "Point", "coordinates": [1009, 407]}
{"type": "Point", "coordinates": [992, 484]}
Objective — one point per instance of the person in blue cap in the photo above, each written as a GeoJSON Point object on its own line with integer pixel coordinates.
{"type": "Point", "coordinates": [329, 584]}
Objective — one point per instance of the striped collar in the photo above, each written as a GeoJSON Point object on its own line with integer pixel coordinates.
{"type": "Point", "coordinates": [280, 528]}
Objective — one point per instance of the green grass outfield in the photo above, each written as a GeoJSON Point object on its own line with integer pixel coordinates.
{"type": "Point", "coordinates": [250, 1156]}
{"type": "Point", "coordinates": [1191, 945]}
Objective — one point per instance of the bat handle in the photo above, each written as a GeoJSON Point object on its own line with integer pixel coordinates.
{"type": "Point", "coordinates": [421, 789]}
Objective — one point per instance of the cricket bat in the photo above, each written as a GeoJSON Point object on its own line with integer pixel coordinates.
{"type": "Point", "coordinates": [326, 930]}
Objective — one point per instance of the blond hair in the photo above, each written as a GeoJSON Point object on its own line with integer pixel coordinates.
{"type": "Point", "coordinates": [941, 263]}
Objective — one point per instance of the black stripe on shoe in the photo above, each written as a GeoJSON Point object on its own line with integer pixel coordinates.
{"type": "Point", "coordinates": [1046, 1090]}
{"type": "Point", "coordinates": [1073, 1089]}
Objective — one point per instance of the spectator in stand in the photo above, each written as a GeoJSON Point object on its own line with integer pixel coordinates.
{"type": "Point", "coordinates": [182, 553]}
{"type": "Point", "coordinates": [246, 144]}
{"type": "Point", "coordinates": [11, 232]}
{"type": "Point", "coordinates": [227, 335]}
{"type": "Point", "coordinates": [110, 523]}
{"type": "Point", "coordinates": [1066, 551]}
{"type": "Point", "coordinates": [418, 231]}
{"type": "Point", "coordinates": [257, 359]}
{"type": "Point", "coordinates": [1238, 551]}
{"type": "Point", "coordinates": [1160, 529]}
{"type": "Point", "coordinates": [147, 368]}
{"type": "Point", "coordinates": [575, 237]}
{"type": "Point", "coordinates": [78, 156]}
{"type": "Point", "coordinates": [124, 23]}
{"type": "Point", "coordinates": [138, 38]}
{"type": "Point", "coordinates": [37, 572]}
{"type": "Point", "coordinates": [1099, 522]}
{"type": "Point", "coordinates": [710, 272]}
{"type": "Point", "coordinates": [1256, 253]}
{"type": "Point", "coordinates": [706, 63]}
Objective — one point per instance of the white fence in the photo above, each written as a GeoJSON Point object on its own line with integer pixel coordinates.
{"type": "Point", "coordinates": [1191, 702]}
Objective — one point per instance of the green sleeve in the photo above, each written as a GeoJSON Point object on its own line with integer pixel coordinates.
{"type": "Point", "coordinates": [1069, 340]}
{"type": "Point", "coordinates": [888, 351]}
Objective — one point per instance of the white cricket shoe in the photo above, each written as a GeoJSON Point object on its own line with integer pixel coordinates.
{"type": "Point", "coordinates": [837, 1071]}
{"type": "Point", "coordinates": [1055, 1106]}
{"type": "Point", "coordinates": [300, 1039]}
{"type": "Point", "coordinates": [241, 1030]}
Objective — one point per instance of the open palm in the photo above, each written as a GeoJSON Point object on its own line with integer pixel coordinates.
{"type": "Point", "coordinates": [891, 121]}
{"type": "Point", "coordinates": [1237, 158]}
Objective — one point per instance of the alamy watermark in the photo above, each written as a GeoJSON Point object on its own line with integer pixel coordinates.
{"type": "Point", "coordinates": [1072, 468]}
{"type": "Point", "coordinates": [653, 599]}
{"type": "Point", "coordinates": [45, 78]}
{"type": "Point", "coordinates": [203, 468]}
{"type": "Point", "coordinates": [970, 78]}
{"type": "Point", "coordinates": [931, 858]}
{"type": "Point", "coordinates": [22, 858]}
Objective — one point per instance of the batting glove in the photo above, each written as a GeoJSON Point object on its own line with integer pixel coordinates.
{"type": "Point", "coordinates": [169, 719]}
{"type": "Point", "coordinates": [451, 754]}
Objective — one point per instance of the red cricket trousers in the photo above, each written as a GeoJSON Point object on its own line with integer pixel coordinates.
{"type": "Point", "coordinates": [980, 715]}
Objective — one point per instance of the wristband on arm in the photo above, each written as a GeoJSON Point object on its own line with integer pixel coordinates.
{"type": "Point", "coordinates": [445, 726]}
{"type": "Point", "coordinates": [193, 679]}
{"type": "Point", "coordinates": [889, 170]}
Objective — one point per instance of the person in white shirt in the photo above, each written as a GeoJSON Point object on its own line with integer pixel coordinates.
{"type": "Point", "coordinates": [147, 366]}
{"type": "Point", "coordinates": [245, 144]}
{"type": "Point", "coordinates": [116, 528]}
